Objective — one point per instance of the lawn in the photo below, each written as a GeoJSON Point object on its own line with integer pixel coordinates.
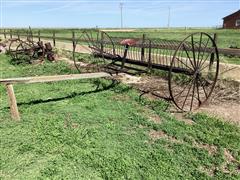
{"type": "Point", "coordinates": [70, 130]}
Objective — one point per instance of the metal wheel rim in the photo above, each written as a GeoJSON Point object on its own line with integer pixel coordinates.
{"type": "Point", "coordinates": [26, 53]}
{"type": "Point", "coordinates": [196, 82]}
{"type": "Point", "coordinates": [94, 44]}
{"type": "Point", "coordinates": [12, 52]}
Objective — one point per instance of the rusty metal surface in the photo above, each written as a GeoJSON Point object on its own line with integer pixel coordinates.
{"type": "Point", "coordinates": [28, 50]}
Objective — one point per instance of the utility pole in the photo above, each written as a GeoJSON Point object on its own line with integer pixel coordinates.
{"type": "Point", "coordinates": [169, 16]}
{"type": "Point", "coordinates": [1, 13]}
{"type": "Point", "coordinates": [121, 9]}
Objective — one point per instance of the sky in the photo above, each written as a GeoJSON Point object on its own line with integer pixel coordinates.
{"type": "Point", "coordinates": [106, 13]}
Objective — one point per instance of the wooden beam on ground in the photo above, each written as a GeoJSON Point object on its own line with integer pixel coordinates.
{"type": "Point", "coordinates": [42, 79]}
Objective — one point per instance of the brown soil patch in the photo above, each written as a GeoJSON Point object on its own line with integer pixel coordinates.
{"type": "Point", "coordinates": [152, 116]}
{"type": "Point", "coordinates": [230, 160]}
{"type": "Point", "coordinates": [210, 148]}
{"type": "Point", "coordinates": [209, 171]}
{"type": "Point", "coordinates": [155, 135]}
{"type": "Point", "coordinates": [182, 117]}
{"type": "Point", "coordinates": [120, 97]}
{"type": "Point", "coordinates": [155, 118]}
{"type": "Point", "coordinates": [229, 71]}
{"type": "Point", "coordinates": [229, 112]}
{"type": "Point", "coordinates": [224, 102]}
{"type": "Point", "coordinates": [128, 79]}
{"type": "Point", "coordinates": [228, 156]}
{"type": "Point", "coordinates": [226, 91]}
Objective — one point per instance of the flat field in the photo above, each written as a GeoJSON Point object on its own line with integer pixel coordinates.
{"type": "Point", "coordinates": [225, 38]}
{"type": "Point", "coordinates": [70, 130]}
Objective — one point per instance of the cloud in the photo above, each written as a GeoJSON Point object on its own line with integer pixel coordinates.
{"type": "Point", "coordinates": [58, 8]}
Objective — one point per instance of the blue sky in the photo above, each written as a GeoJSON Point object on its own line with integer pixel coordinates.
{"type": "Point", "coordinates": [106, 13]}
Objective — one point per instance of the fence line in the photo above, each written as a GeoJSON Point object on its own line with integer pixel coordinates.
{"type": "Point", "coordinates": [73, 40]}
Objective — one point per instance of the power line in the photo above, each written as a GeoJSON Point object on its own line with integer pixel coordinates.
{"type": "Point", "coordinates": [169, 16]}
{"type": "Point", "coordinates": [1, 13]}
{"type": "Point", "coordinates": [121, 10]}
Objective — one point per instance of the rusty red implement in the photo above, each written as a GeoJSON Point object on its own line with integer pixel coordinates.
{"type": "Point", "coordinates": [129, 42]}
{"type": "Point", "coordinates": [192, 64]}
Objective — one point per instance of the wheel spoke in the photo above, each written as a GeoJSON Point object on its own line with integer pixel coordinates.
{"type": "Point", "coordinates": [183, 89]}
{"type": "Point", "coordinates": [203, 88]}
{"type": "Point", "coordinates": [193, 94]}
{"type": "Point", "coordinates": [206, 60]}
{"type": "Point", "coordinates": [187, 55]}
{"type": "Point", "coordinates": [186, 96]}
{"type": "Point", "coordinates": [204, 67]}
{"type": "Point", "coordinates": [184, 63]}
{"type": "Point", "coordinates": [209, 82]}
{"type": "Point", "coordinates": [193, 52]}
{"type": "Point", "coordinates": [88, 39]}
{"type": "Point", "coordinates": [198, 96]}
{"type": "Point", "coordinates": [199, 49]}
{"type": "Point", "coordinates": [205, 47]}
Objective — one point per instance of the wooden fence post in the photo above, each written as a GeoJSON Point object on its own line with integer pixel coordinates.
{"type": "Point", "coordinates": [212, 55]}
{"type": "Point", "coordinates": [18, 35]}
{"type": "Point", "coordinates": [12, 102]}
{"type": "Point", "coordinates": [215, 37]}
{"type": "Point", "coordinates": [54, 38]}
{"type": "Point", "coordinates": [10, 34]}
{"type": "Point", "coordinates": [102, 46]}
{"type": "Point", "coordinates": [143, 49]}
{"type": "Point", "coordinates": [149, 55]}
{"type": "Point", "coordinates": [4, 32]}
{"type": "Point", "coordinates": [73, 39]}
{"type": "Point", "coordinates": [39, 38]}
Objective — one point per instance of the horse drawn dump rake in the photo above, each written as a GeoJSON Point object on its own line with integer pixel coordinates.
{"type": "Point", "coordinates": [28, 50]}
{"type": "Point", "coordinates": [192, 64]}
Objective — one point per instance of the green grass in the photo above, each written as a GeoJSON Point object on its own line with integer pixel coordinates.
{"type": "Point", "coordinates": [226, 37]}
{"type": "Point", "coordinates": [69, 130]}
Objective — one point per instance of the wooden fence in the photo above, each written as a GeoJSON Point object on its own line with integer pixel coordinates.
{"type": "Point", "coordinates": [53, 38]}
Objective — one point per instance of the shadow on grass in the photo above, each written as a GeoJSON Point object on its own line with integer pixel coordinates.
{"type": "Point", "coordinates": [72, 95]}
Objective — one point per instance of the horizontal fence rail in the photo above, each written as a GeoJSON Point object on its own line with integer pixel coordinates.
{"type": "Point", "coordinates": [74, 39]}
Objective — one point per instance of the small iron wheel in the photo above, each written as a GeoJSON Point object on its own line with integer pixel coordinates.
{"type": "Point", "coordinates": [25, 52]}
{"type": "Point", "coordinates": [12, 49]}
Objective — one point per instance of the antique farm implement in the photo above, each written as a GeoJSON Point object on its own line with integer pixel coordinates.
{"type": "Point", "coordinates": [192, 64]}
{"type": "Point", "coordinates": [29, 50]}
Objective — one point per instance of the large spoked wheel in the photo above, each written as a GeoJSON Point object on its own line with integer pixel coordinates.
{"type": "Point", "coordinates": [193, 71]}
{"type": "Point", "coordinates": [12, 49]}
{"type": "Point", "coordinates": [25, 52]}
{"type": "Point", "coordinates": [93, 46]}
